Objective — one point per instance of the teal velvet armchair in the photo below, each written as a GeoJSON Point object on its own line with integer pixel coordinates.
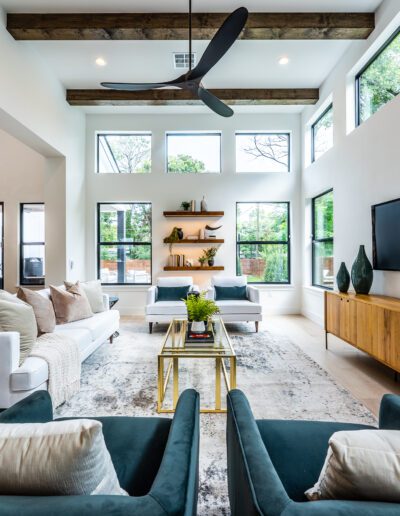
{"type": "Point", "coordinates": [156, 460]}
{"type": "Point", "coordinates": [271, 463]}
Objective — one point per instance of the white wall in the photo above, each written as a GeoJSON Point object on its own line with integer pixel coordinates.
{"type": "Point", "coordinates": [222, 191]}
{"type": "Point", "coordinates": [362, 167]}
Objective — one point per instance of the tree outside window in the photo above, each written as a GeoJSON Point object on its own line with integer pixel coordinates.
{"type": "Point", "coordinates": [126, 153]}
{"type": "Point", "coordinates": [322, 240]}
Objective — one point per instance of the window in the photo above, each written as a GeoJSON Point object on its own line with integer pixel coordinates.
{"type": "Point", "coordinates": [379, 81]}
{"type": "Point", "coordinates": [262, 152]}
{"type": "Point", "coordinates": [32, 242]}
{"type": "Point", "coordinates": [194, 153]}
{"type": "Point", "coordinates": [322, 134]}
{"type": "Point", "coordinates": [124, 243]}
{"type": "Point", "coordinates": [1, 245]}
{"type": "Point", "coordinates": [322, 240]}
{"type": "Point", "coordinates": [125, 153]}
{"type": "Point", "coordinates": [262, 241]}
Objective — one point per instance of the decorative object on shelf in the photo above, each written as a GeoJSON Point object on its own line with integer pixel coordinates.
{"type": "Point", "coordinates": [202, 235]}
{"type": "Point", "coordinates": [202, 260]}
{"type": "Point", "coordinates": [361, 273]}
{"type": "Point", "coordinates": [185, 205]}
{"type": "Point", "coordinates": [210, 254]}
{"type": "Point", "coordinates": [200, 310]}
{"type": "Point", "coordinates": [189, 262]}
{"type": "Point", "coordinates": [180, 233]}
{"type": "Point", "coordinates": [210, 232]}
{"type": "Point", "coordinates": [192, 237]}
{"type": "Point", "coordinates": [173, 237]}
{"type": "Point", "coordinates": [203, 204]}
{"type": "Point", "coordinates": [343, 278]}
{"type": "Point", "coordinates": [193, 205]}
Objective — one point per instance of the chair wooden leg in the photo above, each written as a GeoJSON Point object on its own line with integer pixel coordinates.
{"type": "Point", "coordinates": [111, 339]}
{"type": "Point", "coordinates": [256, 326]}
{"type": "Point", "coordinates": [150, 327]}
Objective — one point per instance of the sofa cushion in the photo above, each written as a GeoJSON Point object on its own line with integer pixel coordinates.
{"type": "Point", "coordinates": [80, 335]}
{"type": "Point", "coordinates": [32, 373]}
{"type": "Point", "coordinates": [42, 307]}
{"type": "Point", "coordinates": [174, 281]}
{"type": "Point", "coordinates": [172, 293]}
{"type": "Point", "coordinates": [298, 449]}
{"type": "Point", "coordinates": [71, 304]}
{"type": "Point", "coordinates": [230, 281]}
{"type": "Point", "coordinates": [167, 308]}
{"type": "Point", "coordinates": [131, 441]}
{"type": "Point", "coordinates": [230, 293]}
{"type": "Point", "coordinates": [238, 307]}
{"type": "Point", "coordinates": [97, 325]}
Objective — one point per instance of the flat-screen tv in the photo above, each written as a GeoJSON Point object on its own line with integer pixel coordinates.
{"type": "Point", "coordinates": [386, 235]}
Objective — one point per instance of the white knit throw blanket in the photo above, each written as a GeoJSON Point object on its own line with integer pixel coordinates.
{"type": "Point", "coordinates": [63, 358]}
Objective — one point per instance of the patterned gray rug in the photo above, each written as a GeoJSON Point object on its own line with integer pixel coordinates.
{"type": "Point", "coordinates": [278, 378]}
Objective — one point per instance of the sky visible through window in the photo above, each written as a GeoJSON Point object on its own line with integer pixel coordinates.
{"type": "Point", "coordinates": [194, 153]}
{"type": "Point", "coordinates": [262, 152]}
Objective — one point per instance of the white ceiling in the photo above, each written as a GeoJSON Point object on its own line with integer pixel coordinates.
{"type": "Point", "coordinates": [248, 64]}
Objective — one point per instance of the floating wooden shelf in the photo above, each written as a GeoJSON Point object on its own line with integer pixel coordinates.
{"type": "Point", "coordinates": [193, 213]}
{"type": "Point", "coordinates": [199, 241]}
{"type": "Point", "coordinates": [195, 268]}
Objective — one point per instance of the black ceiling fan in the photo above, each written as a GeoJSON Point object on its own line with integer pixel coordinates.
{"type": "Point", "coordinates": [218, 46]}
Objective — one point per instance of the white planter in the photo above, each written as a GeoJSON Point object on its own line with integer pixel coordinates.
{"type": "Point", "coordinates": [198, 326]}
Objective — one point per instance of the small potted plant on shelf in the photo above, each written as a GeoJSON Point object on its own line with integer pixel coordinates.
{"type": "Point", "coordinates": [185, 205]}
{"type": "Point", "coordinates": [202, 261]}
{"type": "Point", "coordinates": [200, 310]}
{"type": "Point", "coordinates": [210, 254]}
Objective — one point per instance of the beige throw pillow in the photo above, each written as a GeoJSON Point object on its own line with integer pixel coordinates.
{"type": "Point", "coordinates": [71, 304]}
{"type": "Point", "coordinates": [57, 458]}
{"type": "Point", "coordinates": [11, 298]}
{"type": "Point", "coordinates": [18, 316]}
{"type": "Point", "coordinates": [360, 465]}
{"type": "Point", "coordinates": [42, 307]}
{"type": "Point", "coordinates": [94, 294]}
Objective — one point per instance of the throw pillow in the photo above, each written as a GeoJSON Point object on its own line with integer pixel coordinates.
{"type": "Point", "coordinates": [94, 294]}
{"type": "Point", "coordinates": [70, 304]}
{"type": "Point", "coordinates": [42, 308]}
{"type": "Point", "coordinates": [172, 293]}
{"type": "Point", "coordinates": [57, 458]}
{"type": "Point", "coordinates": [11, 298]}
{"type": "Point", "coordinates": [360, 465]}
{"type": "Point", "coordinates": [230, 293]}
{"type": "Point", "coordinates": [19, 316]}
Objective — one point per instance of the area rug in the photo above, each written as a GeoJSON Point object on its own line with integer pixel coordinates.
{"type": "Point", "coordinates": [279, 379]}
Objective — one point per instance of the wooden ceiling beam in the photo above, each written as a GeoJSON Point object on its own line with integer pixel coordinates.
{"type": "Point", "coordinates": [165, 97]}
{"type": "Point", "coordinates": [168, 26]}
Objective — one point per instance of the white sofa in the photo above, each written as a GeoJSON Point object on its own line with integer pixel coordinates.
{"type": "Point", "coordinates": [17, 382]}
{"type": "Point", "coordinates": [165, 311]}
{"type": "Point", "coordinates": [237, 310]}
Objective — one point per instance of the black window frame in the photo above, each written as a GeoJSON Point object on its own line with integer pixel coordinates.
{"type": "Point", "coordinates": [318, 240]}
{"type": "Point", "coordinates": [363, 69]}
{"type": "Point", "coordinates": [267, 242]}
{"type": "Point", "coordinates": [111, 133]}
{"type": "Point", "coordinates": [254, 133]}
{"type": "Point", "coordinates": [321, 116]}
{"type": "Point", "coordinates": [193, 133]}
{"type": "Point", "coordinates": [22, 244]}
{"type": "Point", "coordinates": [100, 244]}
{"type": "Point", "coordinates": [2, 245]}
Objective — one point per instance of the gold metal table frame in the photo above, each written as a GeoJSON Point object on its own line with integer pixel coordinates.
{"type": "Point", "coordinates": [174, 348]}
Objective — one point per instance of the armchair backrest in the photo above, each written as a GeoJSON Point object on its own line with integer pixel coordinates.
{"type": "Point", "coordinates": [229, 281]}
{"type": "Point", "coordinates": [174, 281]}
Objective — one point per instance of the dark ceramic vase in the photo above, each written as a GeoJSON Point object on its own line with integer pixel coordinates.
{"type": "Point", "coordinates": [211, 262]}
{"type": "Point", "coordinates": [343, 278]}
{"type": "Point", "coordinates": [361, 273]}
{"type": "Point", "coordinates": [180, 233]}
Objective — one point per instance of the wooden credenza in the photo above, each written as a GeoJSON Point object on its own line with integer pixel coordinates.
{"type": "Point", "coordinates": [370, 323]}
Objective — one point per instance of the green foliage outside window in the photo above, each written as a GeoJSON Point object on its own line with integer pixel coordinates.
{"type": "Point", "coordinates": [185, 164]}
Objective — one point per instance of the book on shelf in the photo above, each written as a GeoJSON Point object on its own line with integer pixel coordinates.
{"type": "Point", "coordinates": [177, 260]}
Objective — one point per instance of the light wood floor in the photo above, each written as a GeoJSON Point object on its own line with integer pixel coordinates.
{"type": "Point", "coordinates": [365, 378]}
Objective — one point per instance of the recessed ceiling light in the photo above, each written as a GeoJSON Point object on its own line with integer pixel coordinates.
{"type": "Point", "coordinates": [283, 60]}
{"type": "Point", "coordinates": [101, 62]}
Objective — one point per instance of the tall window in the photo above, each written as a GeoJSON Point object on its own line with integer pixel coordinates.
{"type": "Point", "coordinates": [124, 243]}
{"type": "Point", "coordinates": [32, 244]}
{"type": "Point", "coordinates": [263, 241]}
{"type": "Point", "coordinates": [262, 152]}
{"type": "Point", "coordinates": [194, 153]}
{"type": "Point", "coordinates": [1, 245]}
{"type": "Point", "coordinates": [379, 81]}
{"type": "Point", "coordinates": [322, 134]}
{"type": "Point", "coordinates": [322, 240]}
{"type": "Point", "coordinates": [125, 153]}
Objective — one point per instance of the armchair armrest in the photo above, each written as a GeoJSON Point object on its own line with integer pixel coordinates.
{"type": "Point", "coordinates": [176, 485]}
{"type": "Point", "coordinates": [151, 295]}
{"type": "Point", "coordinates": [210, 293]}
{"type": "Point", "coordinates": [194, 288]}
{"type": "Point", "coordinates": [253, 294]}
{"type": "Point", "coordinates": [389, 412]}
{"type": "Point", "coordinates": [36, 408]}
{"type": "Point", "coordinates": [106, 302]}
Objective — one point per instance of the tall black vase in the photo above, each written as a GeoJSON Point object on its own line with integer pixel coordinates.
{"type": "Point", "coordinates": [343, 278]}
{"type": "Point", "coordinates": [362, 274]}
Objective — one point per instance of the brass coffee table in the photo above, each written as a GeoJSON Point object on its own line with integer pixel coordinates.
{"type": "Point", "coordinates": [174, 348]}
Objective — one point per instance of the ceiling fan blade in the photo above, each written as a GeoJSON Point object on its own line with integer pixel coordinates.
{"type": "Point", "coordinates": [221, 42]}
{"type": "Point", "coordinates": [214, 103]}
{"type": "Point", "coordinates": [126, 86]}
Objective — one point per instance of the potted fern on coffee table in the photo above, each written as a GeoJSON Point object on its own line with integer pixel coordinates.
{"type": "Point", "coordinates": [200, 310]}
